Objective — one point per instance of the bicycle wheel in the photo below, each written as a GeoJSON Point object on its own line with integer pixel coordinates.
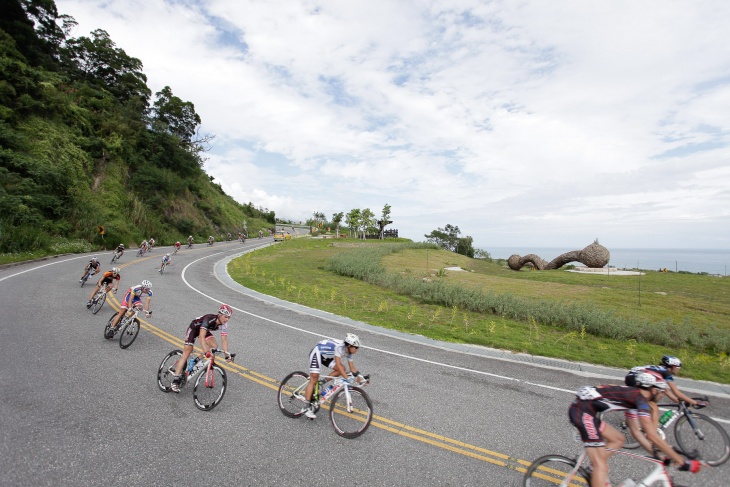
{"type": "Point", "coordinates": [552, 470]}
{"type": "Point", "coordinates": [210, 386]}
{"type": "Point", "coordinates": [84, 279]}
{"type": "Point", "coordinates": [100, 300]}
{"type": "Point", "coordinates": [291, 394]}
{"type": "Point", "coordinates": [352, 419]}
{"type": "Point", "coordinates": [109, 332]}
{"type": "Point", "coordinates": [128, 333]}
{"type": "Point", "coordinates": [709, 439]}
{"type": "Point", "coordinates": [617, 419]}
{"type": "Point", "coordinates": [167, 370]}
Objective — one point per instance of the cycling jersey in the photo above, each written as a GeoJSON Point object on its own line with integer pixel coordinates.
{"type": "Point", "coordinates": [93, 265]}
{"type": "Point", "coordinates": [166, 259]}
{"type": "Point", "coordinates": [135, 294]}
{"type": "Point", "coordinates": [584, 413]}
{"type": "Point", "coordinates": [120, 249]}
{"type": "Point", "coordinates": [325, 352]}
{"type": "Point", "coordinates": [108, 277]}
{"type": "Point", "coordinates": [208, 323]}
{"type": "Point", "coordinates": [659, 369]}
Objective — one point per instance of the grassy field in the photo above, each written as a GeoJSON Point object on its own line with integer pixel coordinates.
{"type": "Point", "coordinates": [689, 312]}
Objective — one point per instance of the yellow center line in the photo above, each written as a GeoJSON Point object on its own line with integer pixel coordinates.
{"type": "Point", "coordinates": [380, 422]}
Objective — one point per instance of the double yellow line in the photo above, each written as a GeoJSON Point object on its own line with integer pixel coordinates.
{"type": "Point", "coordinates": [381, 422]}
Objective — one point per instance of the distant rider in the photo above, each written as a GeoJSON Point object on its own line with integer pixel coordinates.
{"type": "Point", "coordinates": [132, 297]}
{"type": "Point", "coordinates": [93, 265]}
{"type": "Point", "coordinates": [109, 278]}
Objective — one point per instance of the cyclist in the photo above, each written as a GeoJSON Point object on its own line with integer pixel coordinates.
{"type": "Point", "coordinates": [229, 236]}
{"type": "Point", "coordinates": [597, 436]}
{"type": "Point", "coordinates": [132, 297]}
{"type": "Point", "coordinates": [668, 368]}
{"type": "Point", "coordinates": [202, 327]}
{"type": "Point", "coordinates": [120, 250]}
{"type": "Point", "coordinates": [166, 259]}
{"type": "Point", "coordinates": [106, 280]}
{"type": "Point", "coordinates": [211, 240]}
{"type": "Point", "coordinates": [144, 245]}
{"type": "Point", "coordinates": [190, 241]}
{"type": "Point", "coordinates": [93, 265]}
{"type": "Point", "coordinates": [152, 243]}
{"type": "Point", "coordinates": [177, 246]}
{"type": "Point", "coordinates": [331, 353]}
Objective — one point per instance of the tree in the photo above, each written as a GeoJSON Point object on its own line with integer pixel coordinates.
{"type": "Point", "coordinates": [384, 220]}
{"type": "Point", "coordinates": [336, 221]}
{"type": "Point", "coordinates": [352, 220]}
{"type": "Point", "coordinates": [367, 221]}
{"type": "Point", "coordinates": [172, 115]}
{"type": "Point", "coordinates": [446, 238]}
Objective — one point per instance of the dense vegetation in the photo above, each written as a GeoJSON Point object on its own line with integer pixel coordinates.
{"type": "Point", "coordinates": [83, 145]}
{"type": "Point", "coordinates": [613, 320]}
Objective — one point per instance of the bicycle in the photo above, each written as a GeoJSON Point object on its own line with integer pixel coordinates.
{"type": "Point", "coordinates": [116, 256]}
{"type": "Point", "coordinates": [87, 274]}
{"type": "Point", "coordinates": [563, 471]}
{"type": "Point", "coordinates": [351, 409]}
{"type": "Point", "coordinates": [175, 251]}
{"type": "Point", "coordinates": [140, 252]}
{"type": "Point", "coordinates": [162, 268]}
{"type": "Point", "coordinates": [695, 434]}
{"type": "Point", "coordinates": [128, 327]}
{"type": "Point", "coordinates": [99, 299]}
{"type": "Point", "coordinates": [209, 387]}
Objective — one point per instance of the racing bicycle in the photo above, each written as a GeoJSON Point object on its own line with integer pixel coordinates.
{"type": "Point", "coordinates": [99, 299]}
{"type": "Point", "coordinates": [558, 470]}
{"type": "Point", "coordinates": [116, 256]}
{"type": "Point", "coordinates": [209, 378]}
{"type": "Point", "coordinates": [128, 326]}
{"type": "Point", "coordinates": [695, 434]}
{"type": "Point", "coordinates": [190, 244]}
{"type": "Point", "coordinates": [163, 266]}
{"type": "Point", "coordinates": [351, 409]}
{"type": "Point", "coordinates": [140, 252]}
{"type": "Point", "coordinates": [87, 275]}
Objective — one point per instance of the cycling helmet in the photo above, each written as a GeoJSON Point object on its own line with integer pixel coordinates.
{"type": "Point", "coordinates": [352, 339]}
{"type": "Point", "coordinates": [121, 245]}
{"type": "Point", "coordinates": [670, 361]}
{"type": "Point", "coordinates": [167, 255]}
{"type": "Point", "coordinates": [94, 259]}
{"type": "Point", "coordinates": [115, 271]}
{"type": "Point", "coordinates": [225, 310]}
{"type": "Point", "coordinates": [147, 284]}
{"type": "Point", "coordinates": [190, 236]}
{"type": "Point", "coordinates": [649, 379]}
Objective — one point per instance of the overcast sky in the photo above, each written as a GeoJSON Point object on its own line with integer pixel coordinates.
{"type": "Point", "coordinates": [531, 123]}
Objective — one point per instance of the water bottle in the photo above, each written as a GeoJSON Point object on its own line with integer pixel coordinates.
{"type": "Point", "coordinates": [191, 364]}
{"type": "Point", "coordinates": [666, 417]}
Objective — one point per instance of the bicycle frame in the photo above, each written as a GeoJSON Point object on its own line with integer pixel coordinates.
{"type": "Point", "coordinates": [204, 364]}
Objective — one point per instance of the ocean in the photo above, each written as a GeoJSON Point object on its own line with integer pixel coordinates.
{"type": "Point", "coordinates": [712, 261]}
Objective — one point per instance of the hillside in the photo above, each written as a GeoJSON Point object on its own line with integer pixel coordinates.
{"type": "Point", "coordinates": [84, 144]}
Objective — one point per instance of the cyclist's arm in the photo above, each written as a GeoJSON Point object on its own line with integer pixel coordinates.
{"type": "Point", "coordinates": [340, 367]}
{"type": "Point", "coordinates": [651, 433]}
{"type": "Point", "coordinates": [147, 304]}
{"type": "Point", "coordinates": [201, 336]}
{"type": "Point", "coordinates": [676, 395]}
{"type": "Point", "coordinates": [224, 344]}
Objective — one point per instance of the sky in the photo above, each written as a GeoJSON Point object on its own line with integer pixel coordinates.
{"type": "Point", "coordinates": [524, 123]}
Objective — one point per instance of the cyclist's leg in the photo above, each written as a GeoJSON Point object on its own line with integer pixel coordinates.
{"type": "Point", "coordinates": [315, 364]}
{"type": "Point", "coordinates": [632, 421]}
{"type": "Point", "coordinates": [95, 290]}
{"type": "Point", "coordinates": [583, 416]}
{"type": "Point", "coordinates": [123, 307]}
{"type": "Point", "coordinates": [187, 351]}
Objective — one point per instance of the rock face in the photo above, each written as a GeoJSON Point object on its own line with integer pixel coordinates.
{"type": "Point", "coordinates": [594, 256]}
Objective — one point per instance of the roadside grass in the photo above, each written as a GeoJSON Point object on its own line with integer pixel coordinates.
{"type": "Point", "coordinates": [300, 271]}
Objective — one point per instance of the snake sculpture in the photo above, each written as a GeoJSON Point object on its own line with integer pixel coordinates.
{"type": "Point", "coordinates": [594, 256]}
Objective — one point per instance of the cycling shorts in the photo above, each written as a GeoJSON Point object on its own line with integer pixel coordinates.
{"type": "Point", "coordinates": [125, 301]}
{"type": "Point", "coordinates": [584, 417]}
{"type": "Point", "coordinates": [316, 361]}
{"type": "Point", "coordinates": [106, 280]}
{"type": "Point", "coordinates": [193, 333]}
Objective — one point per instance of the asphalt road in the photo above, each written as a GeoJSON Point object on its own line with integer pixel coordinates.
{"type": "Point", "coordinates": [75, 409]}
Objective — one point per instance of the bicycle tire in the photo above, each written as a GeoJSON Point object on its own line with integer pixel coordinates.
{"type": "Point", "coordinates": [713, 448]}
{"type": "Point", "coordinates": [351, 420]}
{"type": "Point", "coordinates": [85, 278]}
{"type": "Point", "coordinates": [128, 333]}
{"type": "Point", "coordinates": [292, 405]}
{"type": "Point", "coordinates": [210, 387]}
{"type": "Point", "coordinates": [100, 300]}
{"type": "Point", "coordinates": [108, 332]}
{"type": "Point", "coordinates": [551, 470]}
{"type": "Point", "coordinates": [617, 419]}
{"type": "Point", "coordinates": [165, 372]}
{"type": "Point", "coordinates": [140, 253]}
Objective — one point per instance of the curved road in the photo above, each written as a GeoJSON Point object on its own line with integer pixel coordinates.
{"type": "Point", "coordinates": [75, 409]}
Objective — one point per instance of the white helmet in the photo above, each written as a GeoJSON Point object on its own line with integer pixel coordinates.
{"type": "Point", "coordinates": [94, 259]}
{"type": "Point", "coordinates": [147, 284]}
{"type": "Point", "coordinates": [167, 255]}
{"type": "Point", "coordinates": [649, 379]}
{"type": "Point", "coordinates": [352, 339]}
{"type": "Point", "coordinates": [115, 270]}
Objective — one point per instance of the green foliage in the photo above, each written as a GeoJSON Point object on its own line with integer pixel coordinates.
{"type": "Point", "coordinates": [79, 149]}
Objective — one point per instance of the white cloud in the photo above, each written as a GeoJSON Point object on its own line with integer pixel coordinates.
{"type": "Point", "coordinates": [545, 123]}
